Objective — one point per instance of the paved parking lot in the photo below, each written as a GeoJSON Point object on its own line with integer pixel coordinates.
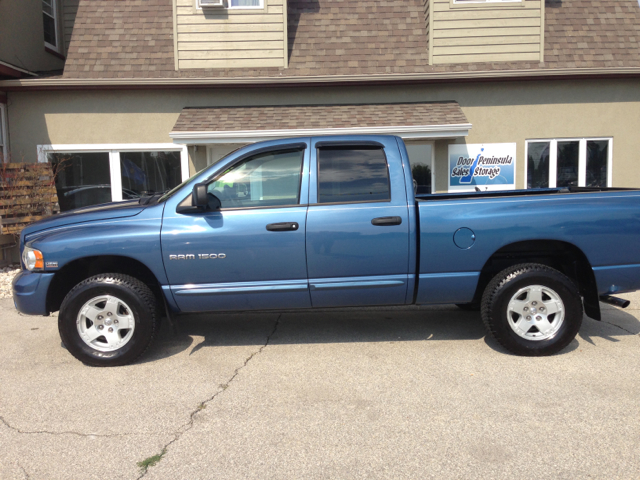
{"type": "Point", "coordinates": [367, 393]}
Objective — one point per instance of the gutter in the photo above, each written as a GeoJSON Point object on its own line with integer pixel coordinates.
{"type": "Point", "coordinates": [251, 136]}
{"type": "Point", "coordinates": [209, 82]}
{"type": "Point", "coordinates": [14, 71]}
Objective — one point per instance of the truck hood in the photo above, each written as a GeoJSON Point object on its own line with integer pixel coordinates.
{"type": "Point", "coordinates": [93, 213]}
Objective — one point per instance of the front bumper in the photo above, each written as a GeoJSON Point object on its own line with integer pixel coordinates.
{"type": "Point", "coordinates": [30, 292]}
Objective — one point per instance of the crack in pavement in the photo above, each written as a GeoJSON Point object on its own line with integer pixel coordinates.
{"type": "Point", "coordinates": [70, 432]}
{"type": "Point", "coordinates": [24, 471]}
{"type": "Point", "coordinates": [621, 328]}
{"type": "Point", "coordinates": [187, 426]}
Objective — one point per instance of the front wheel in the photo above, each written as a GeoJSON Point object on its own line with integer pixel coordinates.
{"type": "Point", "coordinates": [108, 320]}
{"type": "Point", "coordinates": [532, 309]}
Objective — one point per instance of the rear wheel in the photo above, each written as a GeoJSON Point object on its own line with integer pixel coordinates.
{"type": "Point", "coordinates": [532, 309]}
{"type": "Point", "coordinates": [108, 320]}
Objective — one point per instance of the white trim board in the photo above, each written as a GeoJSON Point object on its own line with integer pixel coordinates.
{"type": "Point", "coordinates": [251, 136]}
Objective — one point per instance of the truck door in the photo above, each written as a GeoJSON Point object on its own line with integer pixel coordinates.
{"type": "Point", "coordinates": [357, 223]}
{"type": "Point", "coordinates": [251, 253]}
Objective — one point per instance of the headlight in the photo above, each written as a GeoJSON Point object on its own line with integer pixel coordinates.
{"type": "Point", "coordinates": [32, 259]}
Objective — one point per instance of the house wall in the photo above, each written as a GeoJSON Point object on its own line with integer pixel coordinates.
{"type": "Point", "coordinates": [230, 38]}
{"type": "Point", "coordinates": [500, 112]}
{"type": "Point", "coordinates": [22, 36]}
{"type": "Point", "coordinates": [486, 32]}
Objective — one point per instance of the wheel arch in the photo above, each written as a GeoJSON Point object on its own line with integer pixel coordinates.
{"type": "Point", "coordinates": [563, 256]}
{"type": "Point", "coordinates": [74, 272]}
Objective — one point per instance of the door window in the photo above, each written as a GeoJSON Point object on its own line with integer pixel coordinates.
{"type": "Point", "coordinates": [351, 174]}
{"type": "Point", "coordinates": [265, 180]}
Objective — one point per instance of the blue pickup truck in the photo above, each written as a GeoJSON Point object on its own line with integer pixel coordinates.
{"type": "Point", "coordinates": [328, 222]}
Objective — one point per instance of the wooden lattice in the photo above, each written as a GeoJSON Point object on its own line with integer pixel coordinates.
{"type": "Point", "coordinates": [27, 194]}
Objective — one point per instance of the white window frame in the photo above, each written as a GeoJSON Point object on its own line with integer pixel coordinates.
{"type": "Point", "coordinates": [582, 158]}
{"type": "Point", "coordinates": [114, 150]}
{"type": "Point", "coordinates": [4, 147]}
{"type": "Point", "coordinates": [54, 9]}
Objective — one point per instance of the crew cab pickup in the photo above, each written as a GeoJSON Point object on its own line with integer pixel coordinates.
{"type": "Point", "coordinates": [328, 222]}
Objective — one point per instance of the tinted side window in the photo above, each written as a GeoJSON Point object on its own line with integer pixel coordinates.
{"type": "Point", "coordinates": [267, 179]}
{"type": "Point", "coordinates": [353, 174]}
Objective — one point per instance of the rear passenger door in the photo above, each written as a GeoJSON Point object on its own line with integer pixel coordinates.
{"type": "Point", "coordinates": [357, 239]}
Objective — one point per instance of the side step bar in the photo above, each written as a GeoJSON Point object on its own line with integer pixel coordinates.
{"type": "Point", "coordinates": [618, 302]}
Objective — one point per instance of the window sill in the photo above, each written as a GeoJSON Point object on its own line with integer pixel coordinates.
{"type": "Point", "coordinates": [54, 53]}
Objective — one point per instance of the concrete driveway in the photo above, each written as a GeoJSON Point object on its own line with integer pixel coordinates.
{"type": "Point", "coordinates": [360, 393]}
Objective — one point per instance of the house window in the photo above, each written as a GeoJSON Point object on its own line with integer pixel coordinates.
{"type": "Point", "coordinates": [50, 23]}
{"type": "Point", "coordinates": [93, 174]}
{"type": "Point", "coordinates": [421, 162]}
{"type": "Point", "coordinates": [3, 134]}
{"type": "Point", "coordinates": [246, 3]}
{"type": "Point", "coordinates": [583, 162]}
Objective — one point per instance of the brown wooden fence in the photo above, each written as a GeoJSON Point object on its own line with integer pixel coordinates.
{"type": "Point", "coordinates": [27, 194]}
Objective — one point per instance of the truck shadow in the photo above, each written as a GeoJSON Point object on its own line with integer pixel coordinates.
{"type": "Point", "coordinates": [393, 324]}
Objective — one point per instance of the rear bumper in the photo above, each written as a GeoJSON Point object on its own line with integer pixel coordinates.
{"type": "Point", "coordinates": [30, 292]}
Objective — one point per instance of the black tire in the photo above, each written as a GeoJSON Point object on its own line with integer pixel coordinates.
{"type": "Point", "coordinates": [469, 307]}
{"type": "Point", "coordinates": [135, 294]}
{"type": "Point", "coordinates": [502, 289]}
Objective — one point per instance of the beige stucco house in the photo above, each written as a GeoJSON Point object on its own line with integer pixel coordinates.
{"type": "Point", "coordinates": [136, 95]}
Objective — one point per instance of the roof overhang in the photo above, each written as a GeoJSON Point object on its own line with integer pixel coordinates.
{"type": "Point", "coordinates": [10, 70]}
{"type": "Point", "coordinates": [316, 80]}
{"type": "Point", "coordinates": [241, 124]}
{"type": "Point", "coordinates": [251, 136]}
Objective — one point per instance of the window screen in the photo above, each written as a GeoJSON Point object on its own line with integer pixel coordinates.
{"type": "Point", "coordinates": [265, 180]}
{"type": "Point", "coordinates": [351, 174]}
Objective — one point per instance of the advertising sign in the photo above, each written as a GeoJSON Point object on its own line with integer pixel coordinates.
{"type": "Point", "coordinates": [487, 166]}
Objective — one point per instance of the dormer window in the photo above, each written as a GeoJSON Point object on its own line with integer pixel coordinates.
{"type": "Point", "coordinates": [232, 4]}
{"type": "Point", "coordinates": [50, 23]}
{"type": "Point", "coordinates": [246, 3]}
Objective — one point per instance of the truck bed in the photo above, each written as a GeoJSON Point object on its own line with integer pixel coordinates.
{"type": "Point", "coordinates": [603, 224]}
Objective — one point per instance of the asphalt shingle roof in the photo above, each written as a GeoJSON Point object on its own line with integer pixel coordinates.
{"type": "Point", "coordinates": [229, 119]}
{"type": "Point", "coordinates": [134, 39]}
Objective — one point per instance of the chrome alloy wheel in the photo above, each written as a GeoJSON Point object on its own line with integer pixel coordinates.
{"type": "Point", "coordinates": [105, 323]}
{"type": "Point", "coordinates": [535, 313]}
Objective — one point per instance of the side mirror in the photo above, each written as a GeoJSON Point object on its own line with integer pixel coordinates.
{"type": "Point", "coordinates": [199, 196]}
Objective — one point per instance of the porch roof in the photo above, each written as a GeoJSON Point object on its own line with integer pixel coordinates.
{"type": "Point", "coordinates": [247, 124]}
